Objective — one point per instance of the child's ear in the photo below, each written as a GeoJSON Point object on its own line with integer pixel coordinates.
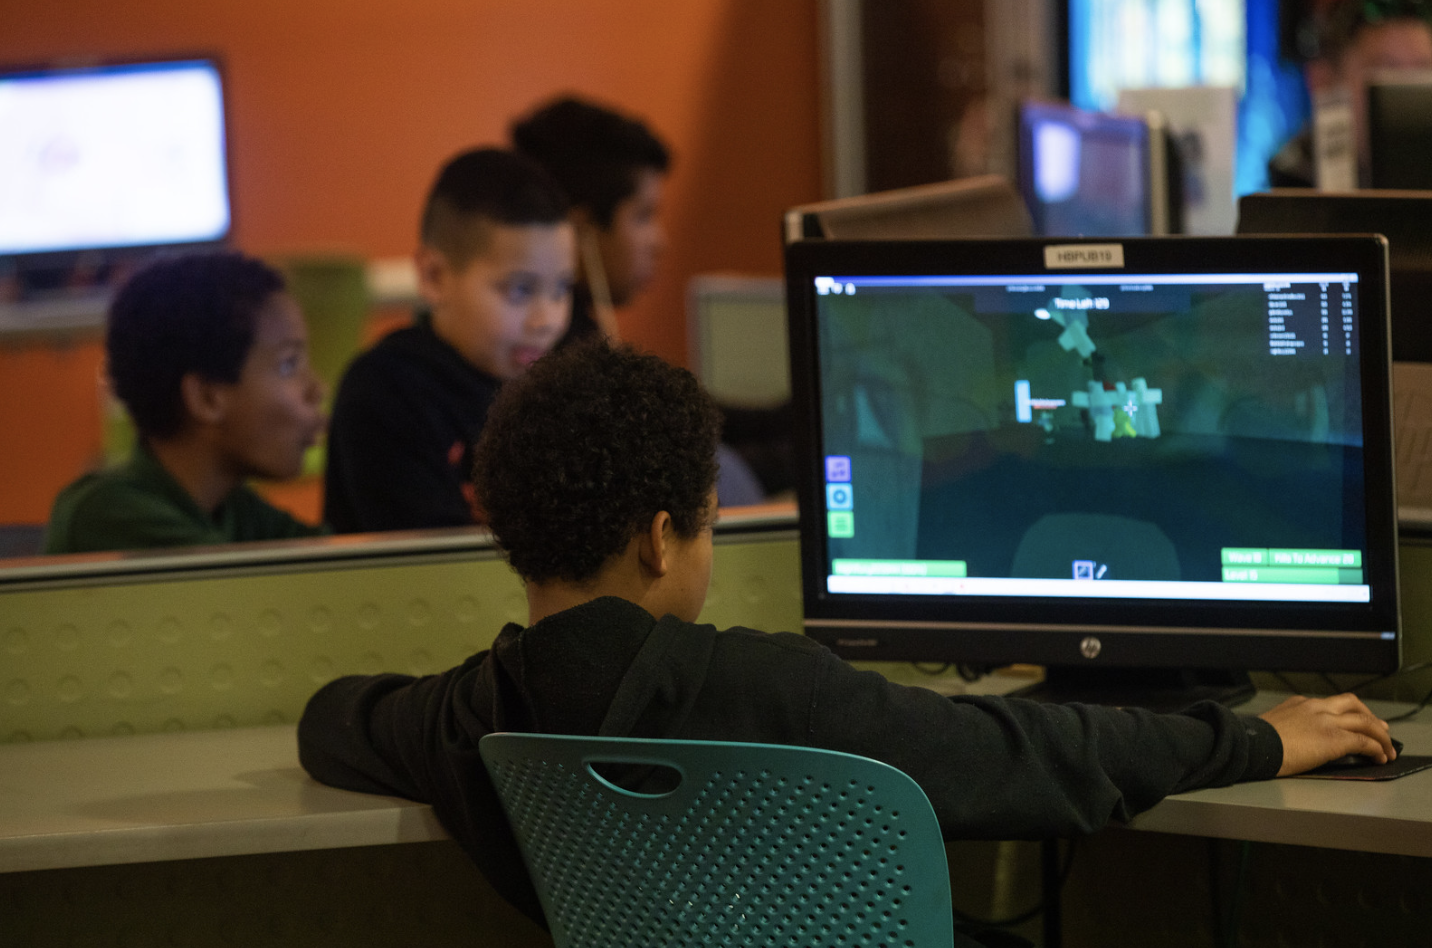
{"type": "Point", "coordinates": [653, 542]}
{"type": "Point", "coordinates": [205, 401]}
{"type": "Point", "coordinates": [433, 270]}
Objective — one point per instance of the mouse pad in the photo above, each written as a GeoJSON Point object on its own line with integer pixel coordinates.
{"type": "Point", "coordinates": [1401, 767]}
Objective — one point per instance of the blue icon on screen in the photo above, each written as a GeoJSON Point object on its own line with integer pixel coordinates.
{"type": "Point", "coordinates": [837, 469]}
{"type": "Point", "coordinates": [839, 497]}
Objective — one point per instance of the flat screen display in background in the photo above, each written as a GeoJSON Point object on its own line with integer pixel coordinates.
{"type": "Point", "coordinates": [1143, 44]}
{"type": "Point", "coordinates": [1084, 173]}
{"type": "Point", "coordinates": [128, 155]}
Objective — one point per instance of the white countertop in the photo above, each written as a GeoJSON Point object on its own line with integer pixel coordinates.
{"type": "Point", "coordinates": [1392, 816]}
{"type": "Point", "coordinates": [188, 795]}
{"type": "Point", "coordinates": [185, 795]}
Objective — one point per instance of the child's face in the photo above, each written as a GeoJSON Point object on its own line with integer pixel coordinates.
{"type": "Point", "coordinates": [507, 306]}
{"type": "Point", "coordinates": [632, 245]}
{"type": "Point", "coordinates": [273, 413]}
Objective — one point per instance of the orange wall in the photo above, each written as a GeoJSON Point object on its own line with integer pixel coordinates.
{"type": "Point", "coordinates": [342, 110]}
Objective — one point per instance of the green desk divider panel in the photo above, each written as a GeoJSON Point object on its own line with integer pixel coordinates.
{"type": "Point", "coordinates": [198, 652]}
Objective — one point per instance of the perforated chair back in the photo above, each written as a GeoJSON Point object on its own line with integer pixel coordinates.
{"type": "Point", "coordinates": [757, 845]}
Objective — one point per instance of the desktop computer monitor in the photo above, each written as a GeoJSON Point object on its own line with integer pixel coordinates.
{"type": "Point", "coordinates": [1401, 217]}
{"type": "Point", "coordinates": [1157, 454]}
{"type": "Point", "coordinates": [107, 162]}
{"type": "Point", "coordinates": [1096, 174]}
{"type": "Point", "coordinates": [982, 206]}
{"type": "Point", "coordinates": [1399, 129]}
{"type": "Point", "coordinates": [736, 338]}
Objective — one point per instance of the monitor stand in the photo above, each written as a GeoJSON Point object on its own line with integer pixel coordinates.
{"type": "Point", "coordinates": [1158, 689]}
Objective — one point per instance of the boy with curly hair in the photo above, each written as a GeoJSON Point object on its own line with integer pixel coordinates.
{"type": "Point", "coordinates": [209, 354]}
{"type": "Point", "coordinates": [597, 470]}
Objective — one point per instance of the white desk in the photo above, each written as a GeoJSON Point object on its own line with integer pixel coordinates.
{"type": "Point", "coordinates": [1393, 816]}
{"type": "Point", "coordinates": [151, 798]}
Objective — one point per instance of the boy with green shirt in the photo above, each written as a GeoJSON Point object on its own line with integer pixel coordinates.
{"type": "Point", "coordinates": [210, 356]}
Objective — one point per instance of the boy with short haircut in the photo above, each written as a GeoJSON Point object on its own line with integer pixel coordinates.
{"type": "Point", "coordinates": [210, 356]}
{"type": "Point", "coordinates": [495, 268]}
{"type": "Point", "coordinates": [596, 470]}
{"type": "Point", "coordinates": [613, 169]}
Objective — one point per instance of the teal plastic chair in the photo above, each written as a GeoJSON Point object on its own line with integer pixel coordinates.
{"type": "Point", "coordinates": [755, 845]}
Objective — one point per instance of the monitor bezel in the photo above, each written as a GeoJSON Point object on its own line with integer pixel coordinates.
{"type": "Point", "coordinates": [108, 254]}
{"type": "Point", "coordinates": [1131, 633]}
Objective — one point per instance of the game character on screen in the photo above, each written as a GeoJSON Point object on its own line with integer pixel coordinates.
{"type": "Point", "coordinates": [209, 354]}
{"type": "Point", "coordinates": [495, 265]}
{"type": "Point", "coordinates": [597, 470]}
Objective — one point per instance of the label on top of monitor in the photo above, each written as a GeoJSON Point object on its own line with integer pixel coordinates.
{"type": "Point", "coordinates": [1077, 256]}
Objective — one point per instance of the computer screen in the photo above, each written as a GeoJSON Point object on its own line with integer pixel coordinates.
{"type": "Point", "coordinates": [1113, 45]}
{"type": "Point", "coordinates": [736, 338]}
{"type": "Point", "coordinates": [1151, 453]}
{"type": "Point", "coordinates": [1401, 217]}
{"type": "Point", "coordinates": [113, 156]}
{"type": "Point", "coordinates": [1091, 173]}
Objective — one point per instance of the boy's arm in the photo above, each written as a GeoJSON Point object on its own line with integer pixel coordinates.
{"type": "Point", "coordinates": [1010, 768]}
{"type": "Point", "coordinates": [391, 733]}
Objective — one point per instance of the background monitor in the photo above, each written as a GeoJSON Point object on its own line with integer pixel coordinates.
{"type": "Point", "coordinates": [105, 161]}
{"type": "Point", "coordinates": [1095, 174]}
{"type": "Point", "coordinates": [1150, 454]}
{"type": "Point", "coordinates": [1399, 129]}
{"type": "Point", "coordinates": [736, 338]}
{"type": "Point", "coordinates": [982, 206]}
{"type": "Point", "coordinates": [1113, 45]}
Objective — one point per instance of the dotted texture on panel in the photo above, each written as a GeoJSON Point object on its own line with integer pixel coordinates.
{"type": "Point", "coordinates": [757, 845]}
{"type": "Point", "coordinates": [218, 652]}
{"type": "Point", "coordinates": [240, 651]}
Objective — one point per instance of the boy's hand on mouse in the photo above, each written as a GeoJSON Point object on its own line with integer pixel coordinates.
{"type": "Point", "coordinates": [1317, 730]}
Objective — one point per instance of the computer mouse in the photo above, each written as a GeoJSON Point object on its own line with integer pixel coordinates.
{"type": "Point", "coordinates": [1362, 760]}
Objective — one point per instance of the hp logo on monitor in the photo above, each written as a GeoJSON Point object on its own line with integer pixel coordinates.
{"type": "Point", "coordinates": [1090, 647]}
